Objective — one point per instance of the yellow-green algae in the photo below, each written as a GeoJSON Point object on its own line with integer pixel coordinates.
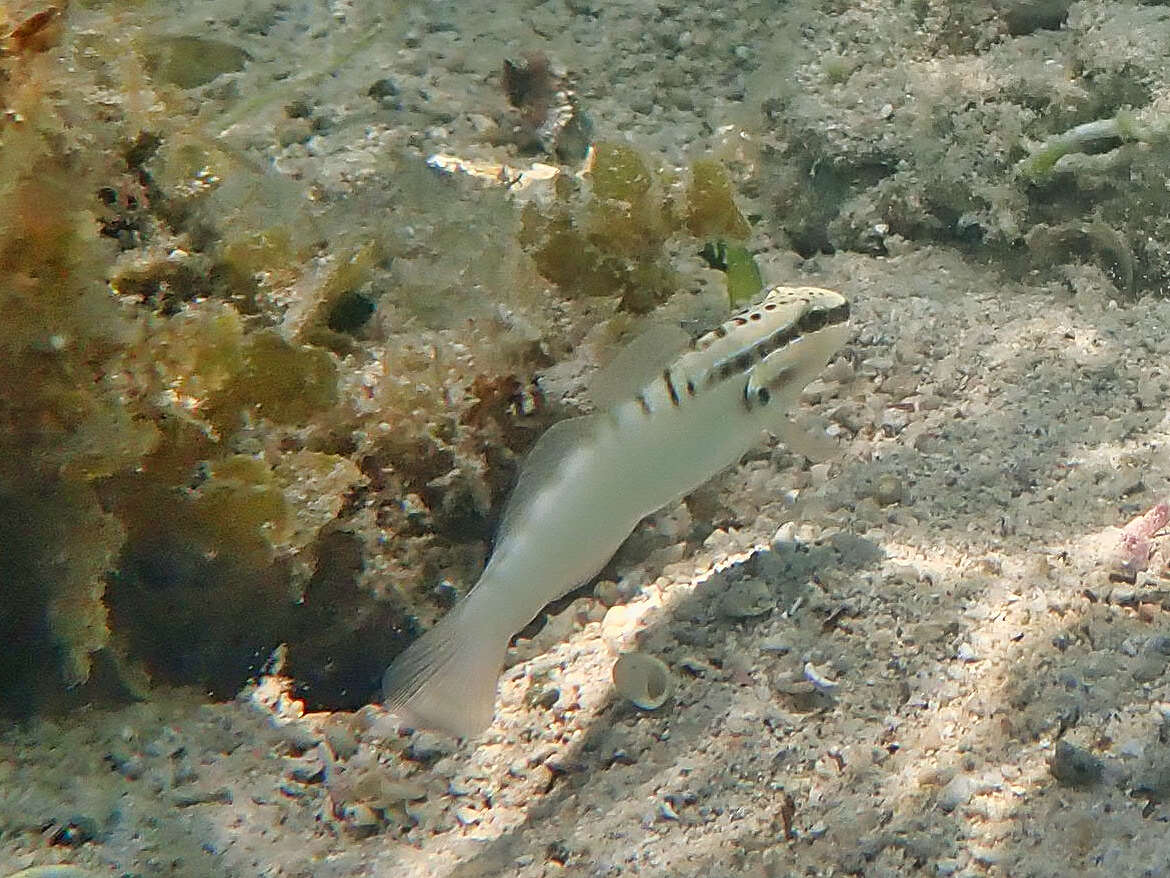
{"type": "Point", "coordinates": [67, 410]}
{"type": "Point", "coordinates": [116, 417]}
{"type": "Point", "coordinates": [711, 208]}
{"type": "Point", "coordinates": [611, 238]}
{"type": "Point", "coordinates": [178, 450]}
{"type": "Point", "coordinates": [744, 282]}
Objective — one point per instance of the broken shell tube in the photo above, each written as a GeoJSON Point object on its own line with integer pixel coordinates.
{"type": "Point", "coordinates": [643, 680]}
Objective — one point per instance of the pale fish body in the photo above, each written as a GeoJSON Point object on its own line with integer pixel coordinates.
{"type": "Point", "coordinates": [588, 481]}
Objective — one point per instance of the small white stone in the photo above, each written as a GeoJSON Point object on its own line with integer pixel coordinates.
{"type": "Point", "coordinates": [967, 653]}
{"type": "Point", "coordinates": [819, 680]}
{"type": "Point", "coordinates": [466, 816]}
{"type": "Point", "coordinates": [666, 812]}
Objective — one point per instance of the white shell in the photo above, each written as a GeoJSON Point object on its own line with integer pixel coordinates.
{"type": "Point", "coordinates": [643, 680]}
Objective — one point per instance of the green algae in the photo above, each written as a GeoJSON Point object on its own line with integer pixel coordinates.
{"type": "Point", "coordinates": [620, 173]}
{"type": "Point", "coordinates": [281, 381]}
{"type": "Point", "coordinates": [608, 240]}
{"type": "Point", "coordinates": [739, 267]}
{"type": "Point", "coordinates": [111, 403]}
{"type": "Point", "coordinates": [189, 61]}
{"type": "Point", "coordinates": [612, 238]}
{"type": "Point", "coordinates": [711, 208]}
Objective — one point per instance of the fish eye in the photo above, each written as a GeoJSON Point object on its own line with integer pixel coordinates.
{"type": "Point", "coordinates": [763, 396]}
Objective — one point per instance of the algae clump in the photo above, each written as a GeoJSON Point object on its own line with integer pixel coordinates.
{"type": "Point", "coordinates": [67, 407]}
{"type": "Point", "coordinates": [711, 208]}
{"type": "Point", "coordinates": [613, 236]}
{"type": "Point", "coordinates": [123, 402]}
{"type": "Point", "coordinates": [279, 380]}
{"type": "Point", "coordinates": [609, 240]}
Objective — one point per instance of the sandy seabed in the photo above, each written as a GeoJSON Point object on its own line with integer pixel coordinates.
{"type": "Point", "coordinates": [949, 680]}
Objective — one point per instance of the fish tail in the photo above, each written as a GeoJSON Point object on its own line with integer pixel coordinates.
{"type": "Point", "coordinates": [447, 678]}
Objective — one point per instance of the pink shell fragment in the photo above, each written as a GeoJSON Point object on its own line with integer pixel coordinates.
{"type": "Point", "coordinates": [1137, 535]}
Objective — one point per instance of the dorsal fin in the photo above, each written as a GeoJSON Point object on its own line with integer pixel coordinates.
{"type": "Point", "coordinates": [541, 464]}
{"type": "Point", "coordinates": [637, 364]}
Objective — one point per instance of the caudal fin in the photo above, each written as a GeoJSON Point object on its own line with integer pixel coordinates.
{"type": "Point", "coordinates": [447, 678]}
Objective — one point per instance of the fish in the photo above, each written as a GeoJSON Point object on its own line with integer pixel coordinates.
{"type": "Point", "coordinates": [589, 480]}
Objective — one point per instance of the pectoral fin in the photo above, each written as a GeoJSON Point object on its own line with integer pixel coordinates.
{"type": "Point", "coordinates": [808, 442]}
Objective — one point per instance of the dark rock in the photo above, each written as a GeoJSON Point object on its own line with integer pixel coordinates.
{"type": "Point", "coordinates": [1074, 767]}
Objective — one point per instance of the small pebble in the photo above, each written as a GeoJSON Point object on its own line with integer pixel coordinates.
{"type": "Point", "coordinates": [343, 742]}
{"type": "Point", "coordinates": [129, 766]}
{"type": "Point", "coordinates": [76, 832]}
{"type": "Point", "coordinates": [360, 816]}
{"type": "Point", "coordinates": [427, 747]}
{"type": "Point", "coordinates": [466, 816]}
{"type": "Point", "coordinates": [518, 768]}
{"type": "Point", "coordinates": [888, 490]}
{"type": "Point", "coordinates": [966, 653]}
{"type": "Point", "coordinates": [1075, 767]}
{"type": "Point", "coordinates": [695, 665]}
{"type": "Point", "coordinates": [619, 621]}
{"type": "Point", "coordinates": [747, 598]}
{"type": "Point", "coordinates": [876, 365]}
{"type": "Point", "coordinates": [819, 680]}
{"type": "Point", "coordinates": [775, 645]}
{"type": "Point", "coordinates": [1132, 749]}
{"type": "Point", "coordinates": [1149, 668]}
{"type": "Point", "coordinates": [400, 791]}
{"type": "Point", "coordinates": [547, 697]}
{"type": "Point", "coordinates": [957, 792]}
{"type": "Point", "coordinates": [219, 795]}
{"type": "Point", "coordinates": [383, 88]}
{"type": "Point", "coordinates": [894, 421]}
{"type": "Point", "coordinates": [606, 591]}
{"type": "Point", "coordinates": [299, 736]}
{"type": "Point", "coordinates": [558, 852]}
{"type": "Point", "coordinates": [666, 811]}
{"type": "Point", "coordinates": [308, 774]}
